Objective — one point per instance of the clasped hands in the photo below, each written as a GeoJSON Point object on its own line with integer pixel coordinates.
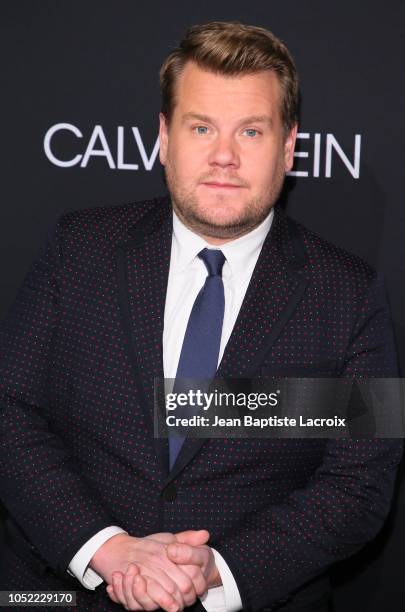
{"type": "Point", "coordinates": [163, 570]}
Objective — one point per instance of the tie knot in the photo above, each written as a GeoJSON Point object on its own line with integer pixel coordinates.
{"type": "Point", "coordinates": [214, 260]}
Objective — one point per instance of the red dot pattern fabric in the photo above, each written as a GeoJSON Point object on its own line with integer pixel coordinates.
{"type": "Point", "coordinates": [79, 352]}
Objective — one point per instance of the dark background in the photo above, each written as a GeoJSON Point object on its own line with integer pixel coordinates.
{"type": "Point", "coordinates": [95, 63]}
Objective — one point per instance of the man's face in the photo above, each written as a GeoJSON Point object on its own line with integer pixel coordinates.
{"type": "Point", "coordinates": [225, 151]}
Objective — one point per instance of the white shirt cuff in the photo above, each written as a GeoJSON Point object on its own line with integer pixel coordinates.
{"type": "Point", "coordinates": [79, 565]}
{"type": "Point", "coordinates": [225, 598]}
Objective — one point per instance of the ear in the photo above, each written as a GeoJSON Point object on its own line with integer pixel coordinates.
{"type": "Point", "coordinates": [163, 138]}
{"type": "Point", "coordinates": [289, 148]}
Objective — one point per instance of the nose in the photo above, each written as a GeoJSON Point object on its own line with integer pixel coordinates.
{"type": "Point", "coordinates": [224, 152]}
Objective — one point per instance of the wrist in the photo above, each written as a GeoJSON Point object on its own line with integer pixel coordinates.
{"type": "Point", "coordinates": [102, 559]}
{"type": "Point", "coordinates": [214, 579]}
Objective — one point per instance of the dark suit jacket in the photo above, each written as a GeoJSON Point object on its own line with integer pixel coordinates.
{"type": "Point", "coordinates": [80, 349]}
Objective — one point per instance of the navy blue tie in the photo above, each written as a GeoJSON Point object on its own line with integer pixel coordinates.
{"type": "Point", "coordinates": [200, 350]}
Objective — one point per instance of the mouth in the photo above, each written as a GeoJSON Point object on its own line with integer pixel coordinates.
{"type": "Point", "coordinates": [217, 185]}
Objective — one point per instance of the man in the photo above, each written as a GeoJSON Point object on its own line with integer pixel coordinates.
{"type": "Point", "coordinates": [118, 298]}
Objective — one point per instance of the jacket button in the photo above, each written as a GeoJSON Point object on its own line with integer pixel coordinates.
{"type": "Point", "coordinates": [170, 493]}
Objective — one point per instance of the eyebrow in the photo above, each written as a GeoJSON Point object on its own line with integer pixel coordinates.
{"type": "Point", "coordinates": [250, 119]}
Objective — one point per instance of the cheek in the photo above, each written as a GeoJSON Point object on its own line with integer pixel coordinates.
{"type": "Point", "coordinates": [259, 172]}
{"type": "Point", "coordinates": [185, 163]}
{"type": "Point", "coordinates": [266, 173]}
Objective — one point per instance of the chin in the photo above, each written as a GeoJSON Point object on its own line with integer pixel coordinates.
{"type": "Point", "coordinates": [219, 221]}
{"type": "Point", "coordinates": [221, 213]}
{"type": "Point", "coordinates": [219, 217]}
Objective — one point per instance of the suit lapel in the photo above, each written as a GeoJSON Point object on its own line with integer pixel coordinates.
{"type": "Point", "coordinates": [275, 289]}
{"type": "Point", "coordinates": [143, 267]}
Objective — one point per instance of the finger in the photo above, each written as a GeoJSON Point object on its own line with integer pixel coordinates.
{"type": "Point", "coordinates": [193, 538]}
{"type": "Point", "coordinates": [176, 583]}
{"type": "Point", "coordinates": [139, 593]}
{"type": "Point", "coordinates": [164, 538]}
{"type": "Point", "coordinates": [128, 578]}
{"type": "Point", "coordinates": [169, 584]}
{"type": "Point", "coordinates": [197, 577]}
{"type": "Point", "coordinates": [111, 594]}
{"type": "Point", "coordinates": [157, 594]}
{"type": "Point", "coordinates": [183, 583]}
{"type": "Point", "coordinates": [118, 590]}
{"type": "Point", "coordinates": [187, 555]}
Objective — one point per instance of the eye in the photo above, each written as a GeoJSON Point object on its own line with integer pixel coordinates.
{"type": "Point", "coordinates": [251, 132]}
{"type": "Point", "coordinates": [201, 129]}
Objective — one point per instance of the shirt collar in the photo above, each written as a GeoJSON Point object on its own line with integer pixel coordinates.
{"type": "Point", "coordinates": [238, 252]}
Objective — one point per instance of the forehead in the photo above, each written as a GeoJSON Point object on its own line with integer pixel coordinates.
{"type": "Point", "coordinates": [200, 90]}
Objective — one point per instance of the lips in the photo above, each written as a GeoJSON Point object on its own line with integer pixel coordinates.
{"type": "Point", "coordinates": [217, 185]}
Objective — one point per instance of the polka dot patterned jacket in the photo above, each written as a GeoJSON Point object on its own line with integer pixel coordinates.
{"type": "Point", "coordinates": [79, 352]}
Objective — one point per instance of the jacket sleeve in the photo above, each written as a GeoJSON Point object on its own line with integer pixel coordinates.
{"type": "Point", "coordinates": [279, 549]}
{"type": "Point", "coordinates": [41, 486]}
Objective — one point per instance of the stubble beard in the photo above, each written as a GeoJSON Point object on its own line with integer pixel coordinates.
{"type": "Point", "coordinates": [202, 221]}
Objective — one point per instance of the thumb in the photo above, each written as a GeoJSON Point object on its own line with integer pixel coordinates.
{"type": "Point", "coordinates": [193, 538]}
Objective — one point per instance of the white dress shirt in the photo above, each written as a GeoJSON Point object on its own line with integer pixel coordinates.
{"type": "Point", "coordinates": [187, 274]}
